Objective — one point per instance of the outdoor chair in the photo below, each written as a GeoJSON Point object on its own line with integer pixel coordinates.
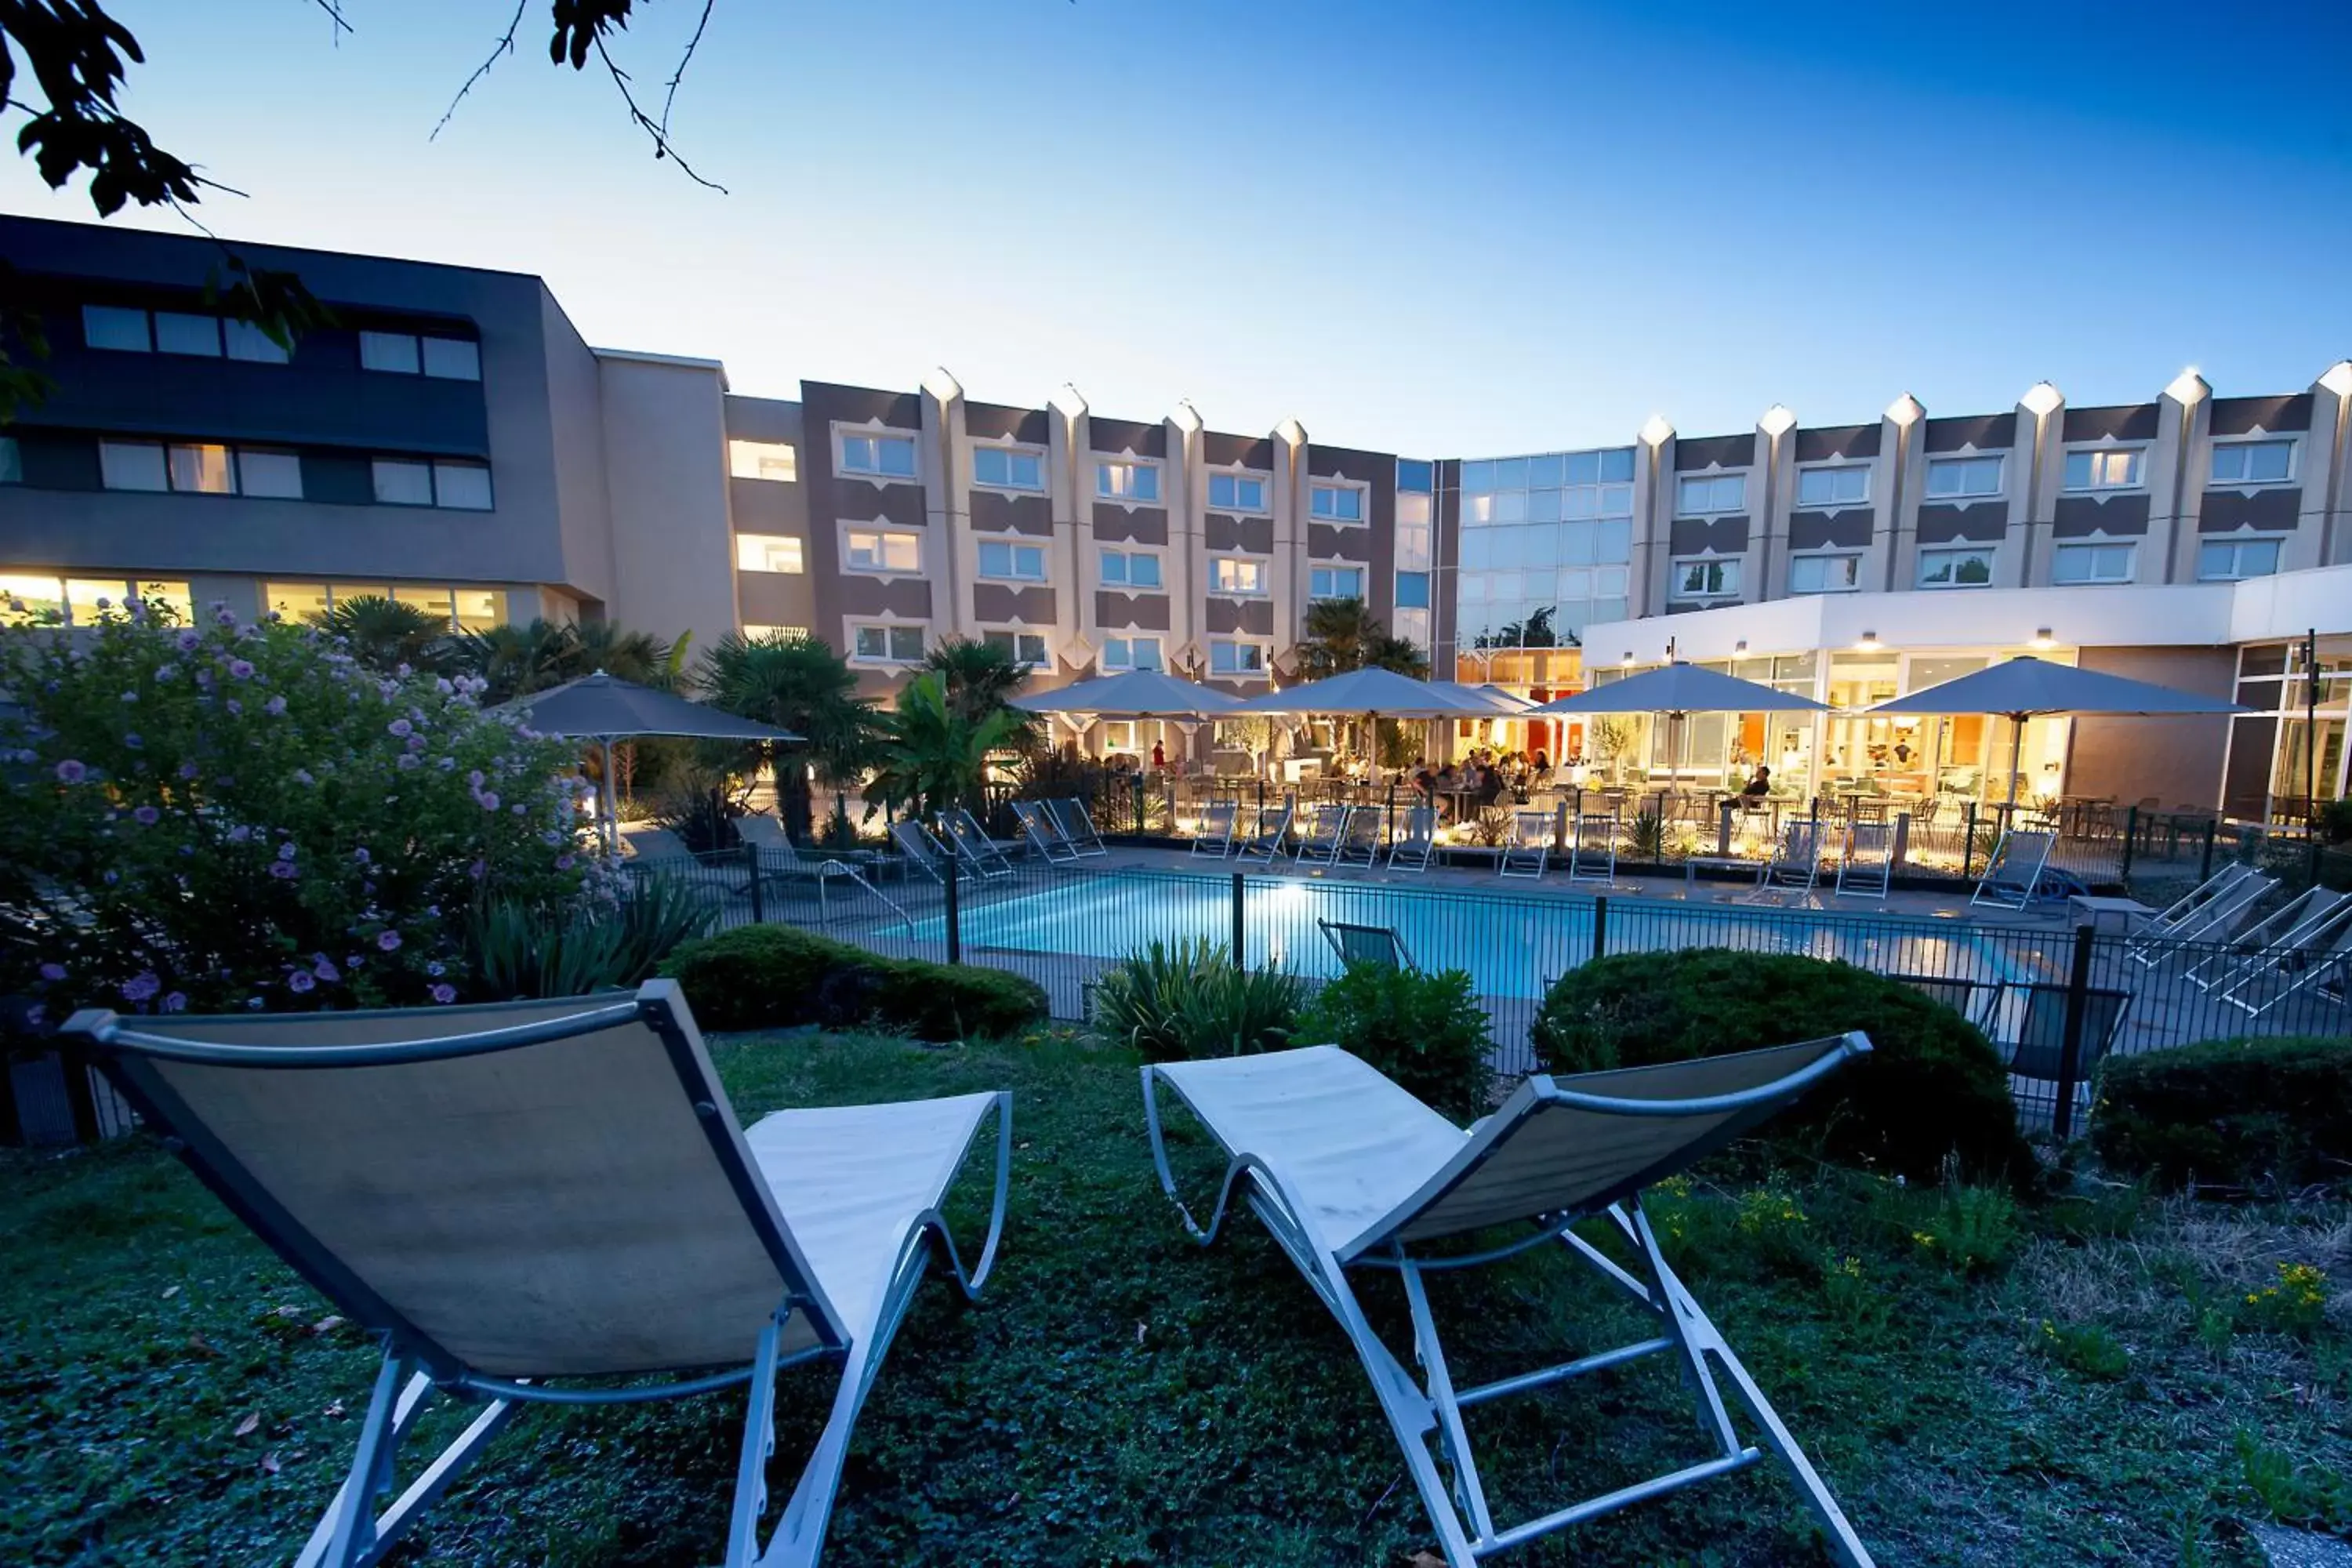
{"type": "Point", "coordinates": [550, 1202]}
{"type": "Point", "coordinates": [2037, 1054]}
{"type": "Point", "coordinates": [1866, 868]}
{"type": "Point", "coordinates": [2305, 923]}
{"type": "Point", "coordinates": [1360, 839]}
{"type": "Point", "coordinates": [1351, 1173]}
{"type": "Point", "coordinates": [2013, 878]}
{"type": "Point", "coordinates": [653, 845]}
{"type": "Point", "coordinates": [1592, 854]}
{"type": "Point", "coordinates": [1377, 945]}
{"type": "Point", "coordinates": [1214, 836]}
{"type": "Point", "coordinates": [1069, 815]}
{"type": "Point", "coordinates": [922, 849]}
{"type": "Point", "coordinates": [1044, 833]}
{"type": "Point", "coordinates": [1325, 827]}
{"type": "Point", "coordinates": [981, 853]}
{"type": "Point", "coordinates": [2316, 953]}
{"type": "Point", "coordinates": [779, 859]}
{"type": "Point", "coordinates": [1977, 1001]}
{"type": "Point", "coordinates": [1795, 866]}
{"type": "Point", "coordinates": [1410, 850]}
{"type": "Point", "coordinates": [1269, 839]}
{"type": "Point", "coordinates": [1526, 852]}
{"type": "Point", "coordinates": [2211, 908]}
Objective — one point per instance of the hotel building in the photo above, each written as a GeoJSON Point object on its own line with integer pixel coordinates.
{"type": "Point", "coordinates": [451, 440]}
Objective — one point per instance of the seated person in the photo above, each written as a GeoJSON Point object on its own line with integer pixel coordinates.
{"type": "Point", "coordinates": [1760, 785]}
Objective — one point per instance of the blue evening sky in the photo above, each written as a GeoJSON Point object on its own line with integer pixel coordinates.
{"type": "Point", "coordinates": [1435, 228]}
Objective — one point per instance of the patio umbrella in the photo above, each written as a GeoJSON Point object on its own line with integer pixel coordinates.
{"type": "Point", "coordinates": [606, 708]}
{"type": "Point", "coordinates": [1139, 694]}
{"type": "Point", "coordinates": [1677, 691]}
{"type": "Point", "coordinates": [1492, 701]}
{"type": "Point", "coordinates": [2023, 687]}
{"type": "Point", "coordinates": [1374, 694]}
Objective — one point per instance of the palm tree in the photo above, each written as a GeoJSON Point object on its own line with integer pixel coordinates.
{"type": "Point", "coordinates": [980, 680]}
{"type": "Point", "coordinates": [1336, 633]}
{"type": "Point", "coordinates": [383, 633]}
{"type": "Point", "coordinates": [931, 754]}
{"type": "Point", "coordinates": [520, 659]}
{"type": "Point", "coordinates": [618, 651]}
{"type": "Point", "coordinates": [1386, 650]}
{"type": "Point", "coordinates": [801, 684]}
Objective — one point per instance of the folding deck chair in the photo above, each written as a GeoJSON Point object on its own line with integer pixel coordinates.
{"type": "Point", "coordinates": [2212, 907]}
{"type": "Point", "coordinates": [1795, 866]}
{"type": "Point", "coordinates": [1376, 945]}
{"type": "Point", "coordinates": [1360, 839]}
{"type": "Point", "coordinates": [922, 849]}
{"type": "Point", "coordinates": [1977, 1001]}
{"type": "Point", "coordinates": [1866, 868]}
{"type": "Point", "coordinates": [2013, 878]}
{"type": "Point", "coordinates": [655, 846]}
{"type": "Point", "coordinates": [779, 860]}
{"type": "Point", "coordinates": [1069, 815]}
{"type": "Point", "coordinates": [1349, 1171]}
{"type": "Point", "coordinates": [1410, 850]}
{"type": "Point", "coordinates": [2320, 956]}
{"type": "Point", "coordinates": [1593, 855]}
{"type": "Point", "coordinates": [1269, 839]}
{"type": "Point", "coordinates": [981, 853]}
{"type": "Point", "coordinates": [1326, 825]}
{"type": "Point", "coordinates": [1044, 833]}
{"type": "Point", "coordinates": [1214, 836]}
{"type": "Point", "coordinates": [2289, 936]}
{"type": "Point", "coordinates": [517, 1197]}
{"type": "Point", "coordinates": [2038, 1052]}
{"type": "Point", "coordinates": [1528, 851]}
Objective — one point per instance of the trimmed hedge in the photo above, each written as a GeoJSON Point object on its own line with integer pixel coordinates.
{"type": "Point", "coordinates": [775, 976]}
{"type": "Point", "coordinates": [1424, 1032]}
{"type": "Point", "coordinates": [2252, 1113]}
{"type": "Point", "coordinates": [1931, 1086]}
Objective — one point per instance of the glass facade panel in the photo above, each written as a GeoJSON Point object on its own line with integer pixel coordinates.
{"type": "Point", "coordinates": [1524, 518]}
{"type": "Point", "coordinates": [203, 469]}
{"type": "Point", "coordinates": [278, 474]}
{"type": "Point", "coordinates": [112, 327]}
{"type": "Point", "coordinates": [132, 466]}
{"type": "Point", "coordinates": [403, 484]}
{"type": "Point", "coordinates": [453, 359]}
{"type": "Point", "coordinates": [177, 333]}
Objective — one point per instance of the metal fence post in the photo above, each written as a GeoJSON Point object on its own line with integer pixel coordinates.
{"type": "Point", "coordinates": [1968, 840]}
{"type": "Point", "coordinates": [2131, 841]}
{"type": "Point", "coordinates": [1241, 929]}
{"type": "Point", "coordinates": [1599, 925]}
{"type": "Point", "coordinates": [751, 866]}
{"type": "Point", "coordinates": [2070, 1040]}
{"type": "Point", "coordinates": [2205, 866]}
{"type": "Point", "coordinates": [953, 912]}
{"type": "Point", "coordinates": [1388, 822]}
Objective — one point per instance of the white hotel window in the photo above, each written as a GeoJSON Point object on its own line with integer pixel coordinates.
{"type": "Point", "coordinates": [1698, 495]}
{"type": "Point", "coordinates": [1008, 469]}
{"type": "Point", "coordinates": [113, 327]}
{"type": "Point", "coordinates": [1127, 481]}
{"type": "Point", "coordinates": [2074, 565]}
{"type": "Point", "coordinates": [880, 549]}
{"type": "Point", "coordinates": [1706, 578]}
{"type": "Point", "coordinates": [1955, 568]}
{"type": "Point", "coordinates": [760, 631]}
{"type": "Point", "coordinates": [1231, 575]}
{"type": "Point", "coordinates": [1336, 503]}
{"type": "Point", "coordinates": [1132, 653]}
{"type": "Point", "coordinates": [770, 552]}
{"type": "Point", "coordinates": [408, 354]}
{"type": "Point", "coordinates": [199, 468]}
{"type": "Point", "coordinates": [1848, 485]}
{"type": "Point", "coordinates": [774, 460]}
{"type": "Point", "coordinates": [1961, 479]}
{"type": "Point", "coordinates": [879, 456]}
{"type": "Point", "coordinates": [2252, 462]}
{"type": "Point", "coordinates": [1236, 492]}
{"type": "Point", "coordinates": [2227, 560]}
{"type": "Point", "coordinates": [1025, 647]}
{"type": "Point", "coordinates": [1004, 560]}
{"type": "Point", "coordinates": [876, 643]}
{"type": "Point", "coordinates": [400, 481]}
{"type": "Point", "coordinates": [2107, 468]}
{"type": "Point", "coordinates": [1824, 573]}
{"type": "Point", "coordinates": [1334, 582]}
{"type": "Point", "coordinates": [1130, 569]}
{"type": "Point", "coordinates": [1228, 658]}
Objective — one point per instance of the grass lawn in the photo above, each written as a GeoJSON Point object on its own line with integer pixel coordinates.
{"type": "Point", "coordinates": [2081, 1382]}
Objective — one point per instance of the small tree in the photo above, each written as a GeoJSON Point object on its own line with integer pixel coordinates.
{"type": "Point", "coordinates": [383, 633]}
{"type": "Point", "coordinates": [931, 756]}
{"type": "Point", "coordinates": [803, 685]}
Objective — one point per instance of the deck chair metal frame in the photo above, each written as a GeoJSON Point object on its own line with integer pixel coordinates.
{"type": "Point", "coordinates": [1360, 840]}
{"type": "Point", "coordinates": [2035, 1055]}
{"type": "Point", "coordinates": [779, 862]}
{"type": "Point", "coordinates": [2321, 926]}
{"type": "Point", "coordinates": [1327, 824]}
{"type": "Point", "coordinates": [921, 847]}
{"type": "Point", "coordinates": [1216, 828]}
{"type": "Point", "coordinates": [2252, 948]}
{"type": "Point", "coordinates": [1487, 1180]}
{"type": "Point", "coordinates": [1377, 945]}
{"type": "Point", "coordinates": [2291, 971]}
{"type": "Point", "coordinates": [1044, 833]}
{"type": "Point", "coordinates": [142, 1055]}
{"type": "Point", "coordinates": [1410, 851]}
{"type": "Point", "coordinates": [1265, 843]}
{"type": "Point", "coordinates": [1528, 851]}
{"type": "Point", "coordinates": [1795, 864]}
{"type": "Point", "coordinates": [1996, 890]}
{"type": "Point", "coordinates": [1873, 844]}
{"type": "Point", "coordinates": [1977, 1001]}
{"type": "Point", "coordinates": [1077, 827]}
{"type": "Point", "coordinates": [2213, 905]}
{"type": "Point", "coordinates": [984, 855]}
{"type": "Point", "coordinates": [1590, 861]}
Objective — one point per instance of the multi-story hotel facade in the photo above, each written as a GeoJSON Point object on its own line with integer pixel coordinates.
{"type": "Point", "coordinates": [451, 440]}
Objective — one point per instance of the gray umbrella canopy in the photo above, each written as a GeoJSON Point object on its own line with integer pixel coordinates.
{"type": "Point", "coordinates": [1359, 692]}
{"type": "Point", "coordinates": [1680, 688]}
{"type": "Point", "coordinates": [1492, 701]}
{"type": "Point", "coordinates": [1139, 694]}
{"type": "Point", "coordinates": [601, 707]}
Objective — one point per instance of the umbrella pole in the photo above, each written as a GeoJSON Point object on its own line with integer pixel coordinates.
{"type": "Point", "coordinates": [2016, 762]}
{"type": "Point", "coordinates": [612, 805]}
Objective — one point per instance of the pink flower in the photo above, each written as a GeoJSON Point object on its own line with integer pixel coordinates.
{"type": "Point", "coordinates": [445, 994]}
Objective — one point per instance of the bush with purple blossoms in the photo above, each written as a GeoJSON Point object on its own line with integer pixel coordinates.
{"type": "Point", "coordinates": [166, 846]}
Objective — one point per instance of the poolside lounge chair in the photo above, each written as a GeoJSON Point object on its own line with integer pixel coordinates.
{"type": "Point", "coordinates": [2013, 878]}
{"type": "Point", "coordinates": [2317, 953]}
{"type": "Point", "coordinates": [981, 853]}
{"type": "Point", "coordinates": [1977, 1001]}
{"type": "Point", "coordinates": [2306, 922]}
{"type": "Point", "coordinates": [1795, 866]}
{"type": "Point", "coordinates": [1044, 833]}
{"type": "Point", "coordinates": [1326, 825]}
{"type": "Point", "coordinates": [1375, 945]}
{"type": "Point", "coordinates": [922, 849]}
{"type": "Point", "coordinates": [1360, 840]}
{"type": "Point", "coordinates": [1349, 1171]}
{"type": "Point", "coordinates": [1593, 855]}
{"type": "Point", "coordinates": [779, 859]}
{"type": "Point", "coordinates": [1069, 815]}
{"type": "Point", "coordinates": [1410, 850]}
{"type": "Point", "coordinates": [1214, 836]}
{"type": "Point", "coordinates": [1866, 868]}
{"type": "Point", "coordinates": [1270, 838]}
{"type": "Point", "coordinates": [618, 1225]}
{"type": "Point", "coordinates": [2038, 1052]}
{"type": "Point", "coordinates": [646, 846]}
{"type": "Point", "coordinates": [1526, 851]}
{"type": "Point", "coordinates": [2208, 910]}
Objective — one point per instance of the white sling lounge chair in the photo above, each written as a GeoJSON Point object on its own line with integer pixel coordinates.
{"type": "Point", "coordinates": [779, 861]}
{"type": "Point", "coordinates": [1268, 840]}
{"type": "Point", "coordinates": [1378, 946]}
{"type": "Point", "coordinates": [1324, 828]}
{"type": "Point", "coordinates": [2205, 912]}
{"type": "Point", "coordinates": [1360, 840]}
{"type": "Point", "coordinates": [1593, 857]}
{"type": "Point", "coordinates": [1044, 833]}
{"type": "Point", "coordinates": [1349, 1171]}
{"type": "Point", "coordinates": [1866, 868]}
{"type": "Point", "coordinates": [1410, 850]}
{"type": "Point", "coordinates": [922, 849]}
{"type": "Point", "coordinates": [2013, 878]}
{"type": "Point", "coordinates": [981, 853]}
{"type": "Point", "coordinates": [1528, 851]}
{"type": "Point", "coordinates": [1214, 836]}
{"type": "Point", "coordinates": [518, 1197]}
{"type": "Point", "coordinates": [2298, 929]}
{"type": "Point", "coordinates": [1069, 815]}
{"type": "Point", "coordinates": [2316, 955]}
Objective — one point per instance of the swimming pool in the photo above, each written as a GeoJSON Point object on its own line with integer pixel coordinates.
{"type": "Point", "coordinates": [1511, 946]}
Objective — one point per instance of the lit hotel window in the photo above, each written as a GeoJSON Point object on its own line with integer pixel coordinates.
{"type": "Point", "coordinates": [772, 461]}
{"type": "Point", "coordinates": [769, 552]}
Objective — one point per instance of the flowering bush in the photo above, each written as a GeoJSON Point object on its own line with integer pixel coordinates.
{"type": "Point", "coordinates": [224, 816]}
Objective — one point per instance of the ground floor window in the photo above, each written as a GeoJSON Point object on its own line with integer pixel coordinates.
{"type": "Point", "coordinates": [463, 609]}
{"type": "Point", "coordinates": [38, 596]}
{"type": "Point", "coordinates": [877, 643]}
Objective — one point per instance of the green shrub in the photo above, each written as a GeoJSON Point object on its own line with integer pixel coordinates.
{"type": "Point", "coordinates": [2086, 1350]}
{"type": "Point", "coordinates": [524, 949]}
{"type": "Point", "coordinates": [2242, 1113]}
{"type": "Point", "coordinates": [1931, 1086]}
{"type": "Point", "coordinates": [775, 976]}
{"type": "Point", "coordinates": [1425, 1031]}
{"type": "Point", "coordinates": [1174, 1002]}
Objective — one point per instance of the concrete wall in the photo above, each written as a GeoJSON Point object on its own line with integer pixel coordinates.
{"type": "Point", "coordinates": [665, 482]}
{"type": "Point", "coordinates": [2177, 761]}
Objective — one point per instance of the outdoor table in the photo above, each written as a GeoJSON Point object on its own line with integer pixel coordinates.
{"type": "Point", "coordinates": [2121, 916]}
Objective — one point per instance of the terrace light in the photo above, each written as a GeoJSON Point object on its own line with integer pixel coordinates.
{"type": "Point", "coordinates": [1867, 642]}
{"type": "Point", "coordinates": [2042, 638]}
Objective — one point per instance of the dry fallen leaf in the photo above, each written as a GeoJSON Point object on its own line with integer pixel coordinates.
{"type": "Point", "coordinates": [269, 1463]}
{"type": "Point", "coordinates": [198, 1343]}
{"type": "Point", "coordinates": [249, 1425]}
{"type": "Point", "coordinates": [290, 1311]}
{"type": "Point", "coordinates": [327, 1325]}
{"type": "Point", "coordinates": [171, 1291]}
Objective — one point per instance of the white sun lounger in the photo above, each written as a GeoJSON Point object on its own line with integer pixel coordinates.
{"type": "Point", "coordinates": [1796, 863]}
{"type": "Point", "coordinates": [2207, 911]}
{"type": "Point", "coordinates": [1410, 850]}
{"type": "Point", "coordinates": [1349, 1171]}
{"type": "Point", "coordinates": [2013, 878]}
{"type": "Point", "coordinates": [2318, 955]}
{"type": "Point", "coordinates": [1528, 851]}
{"type": "Point", "coordinates": [515, 1198]}
{"type": "Point", "coordinates": [922, 849]}
{"type": "Point", "coordinates": [779, 860]}
{"type": "Point", "coordinates": [1214, 836]}
{"type": "Point", "coordinates": [1593, 857]}
{"type": "Point", "coordinates": [1360, 840]}
{"type": "Point", "coordinates": [1378, 946]}
{"type": "Point", "coordinates": [2285, 941]}
{"type": "Point", "coordinates": [1866, 868]}
{"type": "Point", "coordinates": [1268, 839]}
